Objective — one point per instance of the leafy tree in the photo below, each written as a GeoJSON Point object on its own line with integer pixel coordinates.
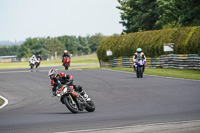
{"type": "Point", "coordinates": [176, 13]}
{"type": "Point", "coordinates": [71, 43]}
{"type": "Point", "coordinates": [48, 46]}
{"type": "Point", "coordinates": [169, 13]}
{"type": "Point", "coordinates": [139, 15]}
{"type": "Point", "coordinates": [95, 40]}
{"type": "Point", "coordinates": [25, 49]}
{"type": "Point", "coordinates": [54, 45]}
{"type": "Point", "coordinates": [8, 50]}
{"type": "Point", "coordinates": [84, 44]}
{"type": "Point", "coordinates": [190, 10]}
{"type": "Point", "coordinates": [33, 46]}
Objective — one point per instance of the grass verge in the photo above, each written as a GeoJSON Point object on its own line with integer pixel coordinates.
{"type": "Point", "coordinates": [1, 101]}
{"type": "Point", "coordinates": [175, 73]}
{"type": "Point", "coordinates": [85, 59]}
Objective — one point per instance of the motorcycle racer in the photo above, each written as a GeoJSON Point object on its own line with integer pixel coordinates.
{"type": "Point", "coordinates": [138, 55]}
{"type": "Point", "coordinates": [39, 58]}
{"type": "Point", "coordinates": [33, 59]}
{"type": "Point", "coordinates": [62, 78]}
{"type": "Point", "coordinates": [65, 55]}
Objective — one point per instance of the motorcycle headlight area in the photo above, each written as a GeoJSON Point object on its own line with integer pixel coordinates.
{"type": "Point", "coordinates": [65, 90]}
{"type": "Point", "coordinates": [60, 93]}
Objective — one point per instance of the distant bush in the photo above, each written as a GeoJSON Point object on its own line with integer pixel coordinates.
{"type": "Point", "coordinates": [186, 39]}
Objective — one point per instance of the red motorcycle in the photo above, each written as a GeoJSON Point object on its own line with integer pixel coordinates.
{"type": "Point", "coordinates": [66, 62]}
{"type": "Point", "coordinates": [37, 64]}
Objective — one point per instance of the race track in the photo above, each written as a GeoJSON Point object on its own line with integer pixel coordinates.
{"type": "Point", "coordinates": [121, 99]}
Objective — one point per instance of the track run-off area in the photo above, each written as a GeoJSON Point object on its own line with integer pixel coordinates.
{"type": "Point", "coordinates": [123, 102]}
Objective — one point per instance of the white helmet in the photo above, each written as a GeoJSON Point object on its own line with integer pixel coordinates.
{"type": "Point", "coordinates": [65, 51]}
{"type": "Point", "coordinates": [52, 72]}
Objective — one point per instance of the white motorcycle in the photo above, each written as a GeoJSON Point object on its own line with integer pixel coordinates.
{"type": "Point", "coordinates": [33, 62]}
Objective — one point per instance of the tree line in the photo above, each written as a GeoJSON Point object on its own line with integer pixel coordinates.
{"type": "Point", "coordinates": [47, 47]}
{"type": "Point", "coordinates": [143, 15]}
{"type": "Point", "coordinates": [8, 50]}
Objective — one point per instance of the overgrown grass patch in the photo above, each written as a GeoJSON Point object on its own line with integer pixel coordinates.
{"type": "Point", "coordinates": [176, 73]}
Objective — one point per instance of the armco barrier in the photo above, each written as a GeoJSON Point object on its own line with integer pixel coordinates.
{"type": "Point", "coordinates": [177, 61]}
{"type": "Point", "coordinates": [125, 62]}
{"type": "Point", "coordinates": [190, 61]}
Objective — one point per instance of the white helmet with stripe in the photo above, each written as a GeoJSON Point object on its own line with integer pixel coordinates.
{"type": "Point", "coordinates": [52, 72]}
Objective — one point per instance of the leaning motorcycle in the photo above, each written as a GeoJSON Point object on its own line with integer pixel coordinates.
{"type": "Point", "coordinates": [139, 68]}
{"type": "Point", "coordinates": [73, 100]}
{"type": "Point", "coordinates": [37, 64]}
{"type": "Point", "coordinates": [32, 64]}
{"type": "Point", "coordinates": [66, 62]}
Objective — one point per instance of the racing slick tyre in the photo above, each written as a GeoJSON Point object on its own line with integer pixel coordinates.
{"type": "Point", "coordinates": [66, 67]}
{"type": "Point", "coordinates": [90, 107]}
{"type": "Point", "coordinates": [70, 104]}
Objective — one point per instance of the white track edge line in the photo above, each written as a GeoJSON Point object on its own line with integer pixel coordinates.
{"type": "Point", "coordinates": [5, 102]}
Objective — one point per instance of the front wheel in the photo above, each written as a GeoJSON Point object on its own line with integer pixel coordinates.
{"type": "Point", "coordinates": [90, 107]}
{"type": "Point", "coordinates": [36, 65]}
{"type": "Point", "coordinates": [70, 104]}
{"type": "Point", "coordinates": [66, 67]}
{"type": "Point", "coordinates": [31, 66]}
{"type": "Point", "coordinates": [139, 72]}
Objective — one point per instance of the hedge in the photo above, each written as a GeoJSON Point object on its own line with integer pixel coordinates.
{"type": "Point", "coordinates": [186, 39]}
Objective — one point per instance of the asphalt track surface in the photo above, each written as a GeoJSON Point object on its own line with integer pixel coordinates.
{"type": "Point", "coordinates": [121, 100]}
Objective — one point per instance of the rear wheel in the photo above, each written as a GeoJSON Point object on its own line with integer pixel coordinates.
{"type": "Point", "coordinates": [137, 74]}
{"type": "Point", "coordinates": [70, 104]}
{"type": "Point", "coordinates": [90, 107]}
{"type": "Point", "coordinates": [31, 66]}
{"type": "Point", "coordinates": [36, 65]}
{"type": "Point", "coordinates": [142, 70]}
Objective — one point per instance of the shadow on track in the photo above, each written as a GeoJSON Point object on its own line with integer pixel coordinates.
{"type": "Point", "coordinates": [61, 113]}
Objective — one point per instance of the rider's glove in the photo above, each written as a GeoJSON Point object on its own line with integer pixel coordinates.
{"type": "Point", "coordinates": [70, 81]}
{"type": "Point", "coordinates": [80, 88]}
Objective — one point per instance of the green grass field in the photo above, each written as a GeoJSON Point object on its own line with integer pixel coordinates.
{"type": "Point", "coordinates": [176, 73]}
{"type": "Point", "coordinates": [85, 59]}
{"type": "Point", "coordinates": [1, 101]}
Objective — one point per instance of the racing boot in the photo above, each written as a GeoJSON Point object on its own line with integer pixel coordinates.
{"type": "Point", "coordinates": [85, 96]}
